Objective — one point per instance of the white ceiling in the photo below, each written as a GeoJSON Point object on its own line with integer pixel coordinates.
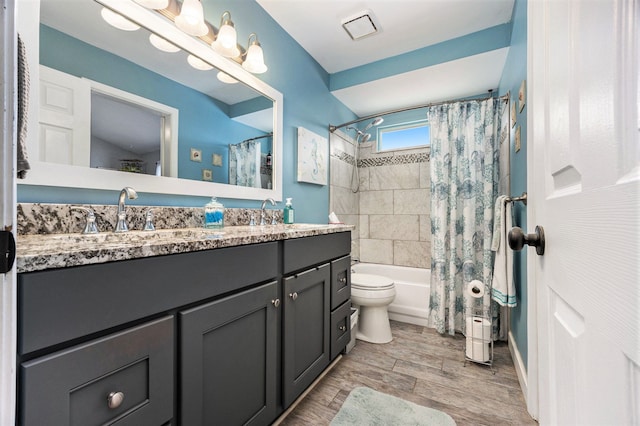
{"type": "Point", "coordinates": [404, 26]}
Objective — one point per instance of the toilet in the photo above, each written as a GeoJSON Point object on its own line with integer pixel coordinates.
{"type": "Point", "coordinates": [372, 294]}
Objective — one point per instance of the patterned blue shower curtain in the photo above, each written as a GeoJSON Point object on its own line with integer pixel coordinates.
{"type": "Point", "coordinates": [464, 184]}
{"type": "Point", "coordinates": [244, 164]}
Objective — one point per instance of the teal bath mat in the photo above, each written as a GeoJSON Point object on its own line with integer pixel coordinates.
{"type": "Point", "coordinates": [365, 406]}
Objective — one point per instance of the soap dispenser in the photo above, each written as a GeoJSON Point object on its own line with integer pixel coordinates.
{"type": "Point", "coordinates": [288, 212]}
{"type": "Point", "coordinates": [213, 214]}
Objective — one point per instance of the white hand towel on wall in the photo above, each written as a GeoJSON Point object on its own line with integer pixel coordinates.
{"type": "Point", "coordinates": [503, 289]}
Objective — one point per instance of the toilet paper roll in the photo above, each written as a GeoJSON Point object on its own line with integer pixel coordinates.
{"type": "Point", "coordinates": [477, 350]}
{"type": "Point", "coordinates": [475, 289]}
{"type": "Point", "coordinates": [478, 329]}
{"type": "Point", "coordinates": [478, 336]}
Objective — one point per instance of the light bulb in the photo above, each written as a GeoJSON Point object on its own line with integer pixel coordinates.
{"type": "Point", "coordinates": [191, 18]}
{"type": "Point", "coordinates": [198, 63]}
{"type": "Point", "coordinates": [162, 44]}
{"type": "Point", "coordinates": [118, 21]}
{"type": "Point", "coordinates": [226, 78]}
{"type": "Point", "coordinates": [227, 36]}
{"type": "Point", "coordinates": [254, 62]}
{"type": "Point", "coordinates": [226, 42]}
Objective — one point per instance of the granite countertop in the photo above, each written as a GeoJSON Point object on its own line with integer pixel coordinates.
{"type": "Point", "coordinates": [39, 252]}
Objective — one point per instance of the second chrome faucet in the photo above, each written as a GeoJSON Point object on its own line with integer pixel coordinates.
{"type": "Point", "coordinates": [263, 213]}
{"type": "Point", "coordinates": [121, 224]}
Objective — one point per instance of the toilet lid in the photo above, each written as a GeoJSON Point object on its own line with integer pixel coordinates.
{"type": "Point", "coordinates": [370, 282]}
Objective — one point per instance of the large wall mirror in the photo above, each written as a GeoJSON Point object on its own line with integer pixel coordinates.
{"type": "Point", "coordinates": [114, 110]}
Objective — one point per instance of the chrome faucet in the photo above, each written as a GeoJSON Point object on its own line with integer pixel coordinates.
{"type": "Point", "coordinates": [263, 213]}
{"type": "Point", "coordinates": [121, 224]}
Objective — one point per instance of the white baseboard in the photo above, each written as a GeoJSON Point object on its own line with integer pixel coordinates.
{"type": "Point", "coordinates": [521, 370]}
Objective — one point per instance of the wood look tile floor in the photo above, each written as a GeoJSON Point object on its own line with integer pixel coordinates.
{"type": "Point", "coordinates": [428, 369]}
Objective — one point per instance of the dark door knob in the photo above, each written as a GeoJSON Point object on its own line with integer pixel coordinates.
{"type": "Point", "coordinates": [517, 239]}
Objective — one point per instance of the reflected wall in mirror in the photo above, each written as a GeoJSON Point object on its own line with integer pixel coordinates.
{"type": "Point", "coordinates": [210, 116]}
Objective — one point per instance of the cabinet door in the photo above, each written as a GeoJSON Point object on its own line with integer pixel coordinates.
{"type": "Point", "coordinates": [229, 359]}
{"type": "Point", "coordinates": [121, 379]}
{"type": "Point", "coordinates": [306, 330]}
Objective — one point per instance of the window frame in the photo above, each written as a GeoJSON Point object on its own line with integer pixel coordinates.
{"type": "Point", "coordinates": [400, 127]}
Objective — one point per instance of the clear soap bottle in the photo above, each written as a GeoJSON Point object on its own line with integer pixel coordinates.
{"type": "Point", "coordinates": [213, 214]}
{"type": "Point", "coordinates": [288, 212]}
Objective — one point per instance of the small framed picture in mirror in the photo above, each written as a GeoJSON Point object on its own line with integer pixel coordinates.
{"type": "Point", "coordinates": [196, 155]}
{"type": "Point", "coordinates": [207, 175]}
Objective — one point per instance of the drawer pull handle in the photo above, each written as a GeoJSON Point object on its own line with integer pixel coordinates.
{"type": "Point", "coordinates": [276, 302]}
{"type": "Point", "coordinates": [342, 328]}
{"type": "Point", "coordinates": [343, 280]}
{"type": "Point", "coordinates": [293, 295]}
{"type": "Point", "coordinates": [115, 399]}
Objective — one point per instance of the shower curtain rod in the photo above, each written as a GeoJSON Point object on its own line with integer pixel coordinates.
{"type": "Point", "coordinates": [369, 117]}
{"type": "Point", "coordinates": [268, 135]}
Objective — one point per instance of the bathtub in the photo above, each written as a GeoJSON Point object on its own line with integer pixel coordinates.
{"type": "Point", "coordinates": [411, 304]}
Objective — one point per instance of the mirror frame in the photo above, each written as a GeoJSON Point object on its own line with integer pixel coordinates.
{"type": "Point", "coordinates": [60, 175]}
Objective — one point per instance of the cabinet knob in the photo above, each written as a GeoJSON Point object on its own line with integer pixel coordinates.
{"type": "Point", "coordinates": [276, 302]}
{"type": "Point", "coordinates": [342, 327]}
{"type": "Point", "coordinates": [293, 295]}
{"type": "Point", "coordinates": [115, 399]}
{"type": "Point", "coordinates": [343, 280]}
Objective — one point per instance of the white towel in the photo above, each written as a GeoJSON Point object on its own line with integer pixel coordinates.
{"type": "Point", "coordinates": [503, 290]}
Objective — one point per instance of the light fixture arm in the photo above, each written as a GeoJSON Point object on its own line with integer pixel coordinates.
{"type": "Point", "coordinates": [249, 43]}
{"type": "Point", "coordinates": [227, 21]}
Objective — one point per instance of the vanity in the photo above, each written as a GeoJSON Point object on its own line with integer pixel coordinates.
{"type": "Point", "coordinates": [185, 327]}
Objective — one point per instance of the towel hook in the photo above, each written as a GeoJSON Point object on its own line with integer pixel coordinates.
{"type": "Point", "coordinates": [517, 239]}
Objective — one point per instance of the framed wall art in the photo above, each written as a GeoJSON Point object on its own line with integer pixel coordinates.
{"type": "Point", "coordinates": [312, 157]}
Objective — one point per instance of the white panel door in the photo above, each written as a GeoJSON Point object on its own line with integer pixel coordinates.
{"type": "Point", "coordinates": [65, 118]}
{"type": "Point", "coordinates": [583, 181]}
{"type": "Point", "coordinates": [8, 286]}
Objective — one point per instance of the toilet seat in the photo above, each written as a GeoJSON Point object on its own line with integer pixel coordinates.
{"type": "Point", "coordinates": [370, 282]}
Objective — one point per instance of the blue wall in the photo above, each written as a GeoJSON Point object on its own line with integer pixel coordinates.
{"type": "Point", "coordinates": [307, 103]}
{"type": "Point", "coordinates": [515, 72]}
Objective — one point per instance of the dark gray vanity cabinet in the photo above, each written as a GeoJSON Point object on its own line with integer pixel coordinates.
{"type": "Point", "coordinates": [226, 336]}
{"type": "Point", "coordinates": [306, 317]}
{"type": "Point", "coordinates": [229, 364]}
{"type": "Point", "coordinates": [125, 378]}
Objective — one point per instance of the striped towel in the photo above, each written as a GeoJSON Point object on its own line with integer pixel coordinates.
{"type": "Point", "coordinates": [23, 110]}
{"type": "Point", "coordinates": [503, 289]}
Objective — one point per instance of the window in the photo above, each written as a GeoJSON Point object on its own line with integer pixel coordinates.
{"type": "Point", "coordinates": [403, 136]}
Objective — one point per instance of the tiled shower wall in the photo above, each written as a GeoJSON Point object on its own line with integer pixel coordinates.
{"type": "Point", "coordinates": [391, 207]}
{"type": "Point", "coordinates": [342, 200]}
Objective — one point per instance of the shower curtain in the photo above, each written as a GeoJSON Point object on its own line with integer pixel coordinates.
{"type": "Point", "coordinates": [244, 164]}
{"type": "Point", "coordinates": [464, 186]}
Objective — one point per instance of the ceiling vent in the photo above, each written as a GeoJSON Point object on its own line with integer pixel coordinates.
{"type": "Point", "coordinates": [360, 25]}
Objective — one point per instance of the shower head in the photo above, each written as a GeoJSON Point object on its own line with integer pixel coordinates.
{"type": "Point", "coordinates": [376, 122]}
{"type": "Point", "coordinates": [365, 136]}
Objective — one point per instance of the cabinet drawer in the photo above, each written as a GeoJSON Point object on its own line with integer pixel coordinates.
{"type": "Point", "coordinates": [340, 281]}
{"type": "Point", "coordinates": [300, 253]}
{"type": "Point", "coordinates": [98, 297]}
{"type": "Point", "coordinates": [72, 387]}
{"type": "Point", "coordinates": [340, 328]}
